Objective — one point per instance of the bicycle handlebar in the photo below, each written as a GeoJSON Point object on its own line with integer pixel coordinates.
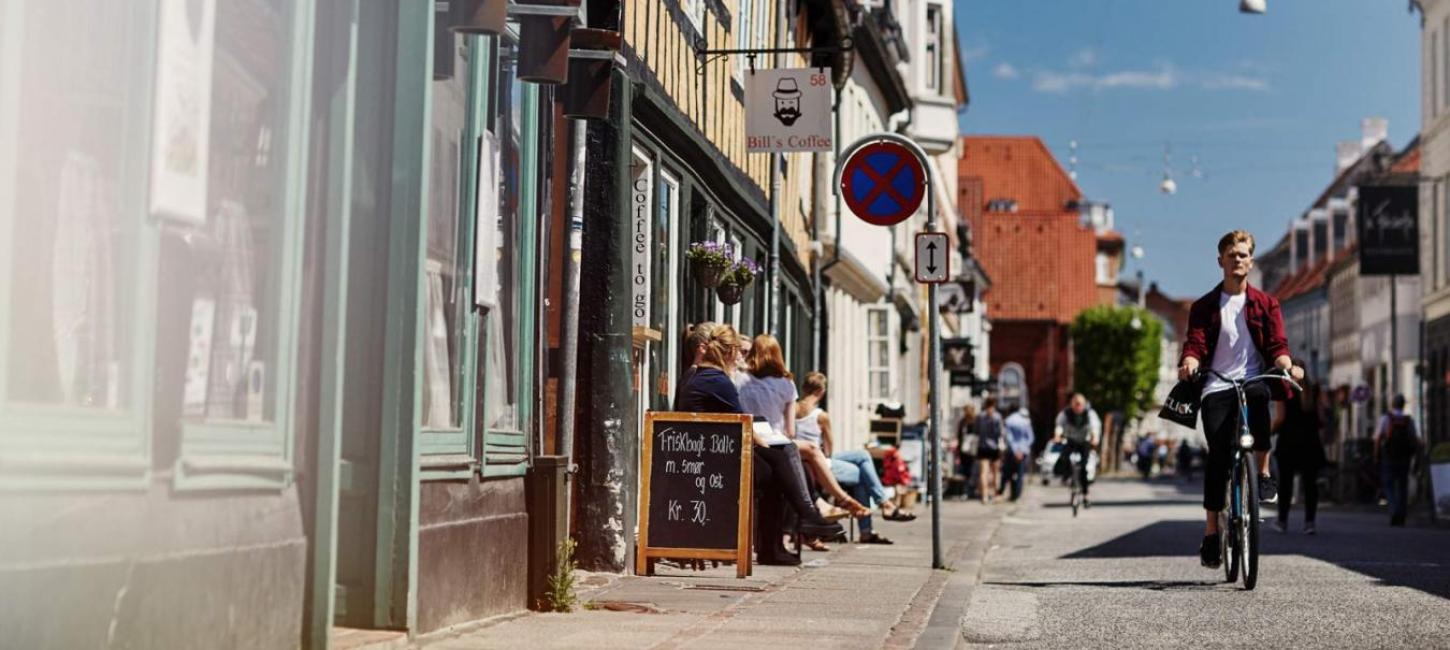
{"type": "Point", "coordinates": [1284, 376]}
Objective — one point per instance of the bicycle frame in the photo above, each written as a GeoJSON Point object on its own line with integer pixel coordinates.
{"type": "Point", "coordinates": [1238, 528]}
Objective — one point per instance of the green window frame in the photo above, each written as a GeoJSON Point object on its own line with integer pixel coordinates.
{"type": "Point", "coordinates": [506, 452]}
{"type": "Point", "coordinates": [230, 455]}
{"type": "Point", "coordinates": [449, 452]}
{"type": "Point", "coordinates": [63, 448]}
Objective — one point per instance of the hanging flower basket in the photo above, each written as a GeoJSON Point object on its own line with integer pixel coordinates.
{"type": "Point", "coordinates": [729, 292]}
{"type": "Point", "coordinates": [710, 261]}
{"type": "Point", "coordinates": [733, 283]}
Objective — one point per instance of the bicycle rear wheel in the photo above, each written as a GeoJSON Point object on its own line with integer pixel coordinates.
{"type": "Point", "coordinates": [1250, 526]}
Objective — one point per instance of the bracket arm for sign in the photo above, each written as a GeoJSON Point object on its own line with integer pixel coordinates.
{"type": "Point", "coordinates": [705, 56]}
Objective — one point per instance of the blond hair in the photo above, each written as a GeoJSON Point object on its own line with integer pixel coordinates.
{"type": "Point", "coordinates": [1234, 238]}
{"type": "Point", "coordinates": [766, 358]}
{"type": "Point", "coordinates": [721, 343]}
{"type": "Point", "coordinates": [814, 383]}
{"type": "Point", "coordinates": [696, 337]}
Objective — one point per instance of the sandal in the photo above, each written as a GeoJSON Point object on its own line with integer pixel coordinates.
{"type": "Point", "coordinates": [875, 538]}
{"type": "Point", "coordinates": [816, 545]}
{"type": "Point", "coordinates": [856, 509]}
{"type": "Point", "coordinates": [830, 512]}
{"type": "Point", "coordinates": [898, 515]}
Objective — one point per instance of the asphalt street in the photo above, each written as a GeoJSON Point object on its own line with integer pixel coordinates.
{"type": "Point", "coordinates": [1125, 573]}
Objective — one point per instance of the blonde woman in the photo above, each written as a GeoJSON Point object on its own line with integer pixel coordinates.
{"type": "Point", "coordinates": [776, 466]}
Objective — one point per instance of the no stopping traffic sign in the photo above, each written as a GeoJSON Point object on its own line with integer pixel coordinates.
{"type": "Point", "coordinates": [883, 183]}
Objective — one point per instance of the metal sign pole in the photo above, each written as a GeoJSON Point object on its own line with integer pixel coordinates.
{"type": "Point", "coordinates": [934, 364]}
{"type": "Point", "coordinates": [934, 336]}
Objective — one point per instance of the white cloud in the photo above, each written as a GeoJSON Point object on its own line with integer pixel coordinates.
{"type": "Point", "coordinates": [1235, 82]}
{"type": "Point", "coordinates": [1048, 81]}
{"type": "Point", "coordinates": [1005, 70]}
{"type": "Point", "coordinates": [977, 53]}
{"type": "Point", "coordinates": [1084, 58]}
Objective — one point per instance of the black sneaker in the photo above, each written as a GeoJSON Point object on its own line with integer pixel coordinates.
{"type": "Point", "coordinates": [1268, 489]}
{"type": "Point", "coordinates": [1209, 553]}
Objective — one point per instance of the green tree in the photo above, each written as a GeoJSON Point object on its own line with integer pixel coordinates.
{"type": "Point", "coordinates": [1116, 355]}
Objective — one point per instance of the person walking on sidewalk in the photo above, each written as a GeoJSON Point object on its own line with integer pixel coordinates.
{"type": "Point", "coordinates": [1019, 446]}
{"type": "Point", "coordinates": [967, 449]}
{"type": "Point", "coordinates": [1234, 330]}
{"type": "Point", "coordinates": [1395, 444]}
{"type": "Point", "coordinates": [989, 449]}
{"type": "Point", "coordinates": [1300, 452]}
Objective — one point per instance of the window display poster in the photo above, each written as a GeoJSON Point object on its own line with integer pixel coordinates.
{"type": "Point", "coordinates": [485, 229]}
{"type": "Point", "coordinates": [182, 122]}
{"type": "Point", "coordinates": [198, 359]}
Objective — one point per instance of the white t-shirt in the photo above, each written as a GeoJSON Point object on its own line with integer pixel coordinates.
{"type": "Point", "coordinates": [1235, 355]}
{"type": "Point", "coordinates": [768, 398]}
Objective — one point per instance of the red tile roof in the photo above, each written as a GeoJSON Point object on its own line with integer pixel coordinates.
{"type": "Point", "coordinates": [1020, 168]}
{"type": "Point", "coordinates": [1311, 277]}
{"type": "Point", "coordinates": [1040, 258]}
{"type": "Point", "coordinates": [1409, 161]}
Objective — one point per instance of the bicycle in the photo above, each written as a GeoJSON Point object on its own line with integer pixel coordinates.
{"type": "Point", "coordinates": [1238, 523]}
{"type": "Point", "coordinates": [1077, 459]}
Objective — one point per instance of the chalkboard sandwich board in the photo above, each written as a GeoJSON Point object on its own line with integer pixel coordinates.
{"type": "Point", "coordinates": [696, 484]}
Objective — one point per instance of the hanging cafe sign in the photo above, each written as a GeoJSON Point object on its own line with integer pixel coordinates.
{"type": "Point", "coordinates": [788, 110]}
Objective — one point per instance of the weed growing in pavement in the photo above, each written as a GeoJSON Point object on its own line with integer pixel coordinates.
{"type": "Point", "coordinates": [560, 595]}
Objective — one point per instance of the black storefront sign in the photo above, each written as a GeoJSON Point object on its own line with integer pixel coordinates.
{"type": "Point", "coordinates": [959, 360]}
{"type": "Point", "coordinates": [1389, 233]}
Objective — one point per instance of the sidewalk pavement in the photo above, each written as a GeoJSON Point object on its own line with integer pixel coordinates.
{"type": "Point", "coordinates": [854, 596]}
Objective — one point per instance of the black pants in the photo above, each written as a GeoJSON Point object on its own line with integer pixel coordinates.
{"type": "Point", "coordinates": [1084, 452]}
{"type": "Point", "coordinates": [1221, 426]}
{"type": "Point", "coordinates": [1397, 482]}
{"type": "Point", "coordinates": [1308, 477]}
{"type": "Point", "coordinates": [779, 481]}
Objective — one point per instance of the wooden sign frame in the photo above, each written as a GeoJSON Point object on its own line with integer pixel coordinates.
{"type": "Point", "coordinates": [877, 433]}
{"type": "Point", "coordinates": [644, 554]}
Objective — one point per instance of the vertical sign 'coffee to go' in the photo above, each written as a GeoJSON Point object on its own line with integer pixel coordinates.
{"type": "Point", "coordinates": [639, 242]}
{"type": "Point", "coordinates": [697, 491]}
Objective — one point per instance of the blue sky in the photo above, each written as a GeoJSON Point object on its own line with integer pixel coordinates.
{"type": "Point", "coordinates": [1259, 100]}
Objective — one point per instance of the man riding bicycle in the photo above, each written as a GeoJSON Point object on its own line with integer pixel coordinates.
{"type": "Point", "coordinates": [1233, 330]}
{"type": "Point", "coordinates": [1080, 428]}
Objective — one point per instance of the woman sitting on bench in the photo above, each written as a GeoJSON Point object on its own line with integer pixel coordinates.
{"type": "Point", "coordinates": [775, 466]}
{"type": "Point", "coordinates": [852, 467]}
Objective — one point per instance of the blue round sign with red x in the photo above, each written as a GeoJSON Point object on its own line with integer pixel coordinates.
{"type": "Point", "coordinates": [883, 183]}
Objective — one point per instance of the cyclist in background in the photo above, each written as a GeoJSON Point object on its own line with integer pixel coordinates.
{"type": "Point", "coordinates": [1234, 330]}
{"type": "Point", "coordinates": [1079, 427]}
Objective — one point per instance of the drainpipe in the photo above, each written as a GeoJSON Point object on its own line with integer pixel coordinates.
{"type": "Point", "coordinates": [818, 331]}
{"type": "Point", "coordinates": [772, 303]}
{"type": "Point", "coordinates": [570, 362]}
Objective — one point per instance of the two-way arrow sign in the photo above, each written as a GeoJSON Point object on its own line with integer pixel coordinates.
{"type": "Point", "coordinates": [931, 257]}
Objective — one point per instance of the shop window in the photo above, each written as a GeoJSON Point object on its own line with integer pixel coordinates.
{"type": "Point", "coordinates": [76, 257]}
{"type": "Point", "coordinates": [450, 333]}
{"type": "Point", "coordinates": [509, 335]}
{"type": "Point", "coordinates": [230, 262]}
{"type": "Point", "coordinates": [669, 305]}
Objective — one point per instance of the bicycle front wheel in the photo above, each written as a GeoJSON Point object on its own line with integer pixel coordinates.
{"type": "Point", "coordinates": [1076, 496]}
{"type": "Point", "coordinates": [1228, 531]}
{"type": "Point", "coordinates": [1250, 527]}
